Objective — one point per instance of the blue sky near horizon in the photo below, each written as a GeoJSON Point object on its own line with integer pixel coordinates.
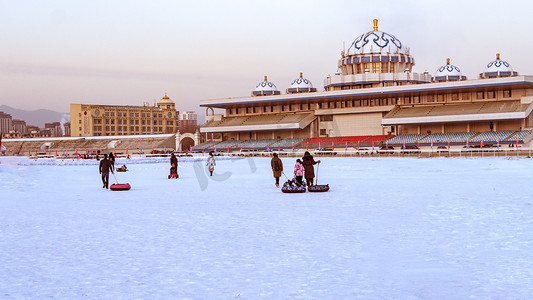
{"type": "Point", "coordinates": [54, 53]}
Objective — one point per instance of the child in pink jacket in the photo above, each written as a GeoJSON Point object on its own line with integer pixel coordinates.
{"type": "Point", "coordinates": [299, 171]}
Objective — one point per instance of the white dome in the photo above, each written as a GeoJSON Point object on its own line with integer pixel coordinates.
{"type": "Point", "coordinates": [448, 72]}
{"type": "Point", "coordinates": [499, 65]}
{"type": "Point", "coordinates": [265, 87]}
{"type": "Point", "coordinates": [377, 42]}
{"type": "Point", "coordinates": [498, 68]}
{"type": "Point", "coordinates": [301, 85]}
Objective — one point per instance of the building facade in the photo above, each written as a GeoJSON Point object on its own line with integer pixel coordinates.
{"type": "Point", "coordinates": [376, 92]}
{"type": "Point", "coordinates": [106, 120]}
{"type": "Point", "coordinates": [6, 123]}
{"type": "Point", "coordinates": [187, 121]}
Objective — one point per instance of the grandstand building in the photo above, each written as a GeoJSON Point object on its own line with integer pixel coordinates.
{"type": "Point", "coordinates": [111, 120]}
{"type": "Point", "coordinates": [375, 95]}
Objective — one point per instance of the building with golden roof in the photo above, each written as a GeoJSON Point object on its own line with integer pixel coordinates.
{"type": "Point", "coordinates": [110, 120]}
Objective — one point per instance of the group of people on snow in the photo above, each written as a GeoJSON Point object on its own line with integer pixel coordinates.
{"type": "Point", "coordinates": [305, 166]}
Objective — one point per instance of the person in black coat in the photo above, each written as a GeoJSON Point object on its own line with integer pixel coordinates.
{"type": "Point", "coordinates": [112, 160]}
{"type": "Point", "coordinates": [173, 164]}
{"type": "Point", "coordinates": [105, 167]}
{"type": "Point", "coordinates": [308, 162]}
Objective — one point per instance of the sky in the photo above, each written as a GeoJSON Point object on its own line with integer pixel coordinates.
{"type": "Point", "coordinates": [53, 53]}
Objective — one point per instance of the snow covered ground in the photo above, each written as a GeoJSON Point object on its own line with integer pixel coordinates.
{"type": "Point", "coordinates": [390, 228]}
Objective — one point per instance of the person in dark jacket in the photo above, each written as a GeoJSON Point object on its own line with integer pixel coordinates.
{"type": "Point", "coordinates": [112, 160]}
{"type": "Point", "coordinates": [105, 167]}
{"type": "Point", "coordinates": [277, 167]}
{"type": "Point", "coordinates": [173, 164]}
{"type": "Point", "coordinates": [308, 162]}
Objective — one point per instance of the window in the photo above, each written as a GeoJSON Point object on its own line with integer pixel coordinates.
{"type": "Point", "coordinates": [323, 131]}
{"type": "Point", "coordinates": [466, 96]}
{"type": "Point", "coordinates": [376, 68]}
{"type": "Point", "coordinates": [326, 118]}
{"type": "Point", "coordinates": [440, 98]}
{"type": "Point", "coordinates": [507, 94]}
{"type": "Point", "coordinates": [384, 67]}
{"type": "Point", "coordinates": [248, 110]}
{"type": "Point", "coordinates": [430, 98]}
{"type": "Point", "coordinates": [455, 97]}
{"type": "Point", "coordinates": [480, 95]}
{"type": "Point", "coordinates": [366, 67]}
{"type": "Point", "coordinates": [491, 94]}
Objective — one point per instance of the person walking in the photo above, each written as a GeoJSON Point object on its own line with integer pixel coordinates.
{"type": "Point", "coordinates": [299, 171]}
{"type": "Point", "coordinates": [211, 163]}
{"type": "Point", "coordinates": [105, 167]}
{"type": "Point", "coordinates": [112, 160]}
{"type": "Point", "coordinates": [277, 167]}
{"type": "Point", "coordinates": [308, 162]}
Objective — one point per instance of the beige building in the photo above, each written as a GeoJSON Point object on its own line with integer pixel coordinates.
{"type": "Point", "coordinates": [107, 120]}
{"type": "Point", "coordinates": [375, 92]}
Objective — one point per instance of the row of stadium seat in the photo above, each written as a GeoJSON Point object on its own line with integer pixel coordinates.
{"type": "Point", "coordinates": [460, 137]}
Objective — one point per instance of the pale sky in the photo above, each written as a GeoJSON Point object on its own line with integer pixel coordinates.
{"type": "Point", "coordinates": [53, 53]}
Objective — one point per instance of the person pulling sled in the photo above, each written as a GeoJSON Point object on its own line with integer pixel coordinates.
{"type": "Point", "coordinates": [173, 166]}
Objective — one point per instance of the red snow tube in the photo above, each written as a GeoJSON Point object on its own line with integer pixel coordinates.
{"type": "Point", "coordinates": [120, 187]}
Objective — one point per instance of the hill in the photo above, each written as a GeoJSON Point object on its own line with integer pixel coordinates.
{"type": "Point", "coordinates": [35, 117]}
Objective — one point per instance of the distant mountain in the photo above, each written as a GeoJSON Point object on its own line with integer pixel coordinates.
{"type": "Point", "coordinates": [35, 117]}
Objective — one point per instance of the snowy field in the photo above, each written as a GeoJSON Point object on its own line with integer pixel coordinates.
{"type": "Point", "coordinates": [389, 228]}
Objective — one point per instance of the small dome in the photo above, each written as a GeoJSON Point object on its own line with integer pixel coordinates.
{"type": "Point", "coordinates": [165, 100]}
{"type": "Point", "coordinates": [498, 68]}
{"type": "Point", "coordinates": [448, 72]}
{"type": "Point", "coordinates": [265, 88]}
{"type": "Point", "coordinates": [301, 85]}
{"type": "Point", "coordinates": [377, 42]}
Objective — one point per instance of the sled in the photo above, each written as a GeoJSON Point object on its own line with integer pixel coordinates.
{"type": "Point", "coordinates": [318, 188]}
{"type": "Point", "coordinates": [121, 170]}
{"type": "Point", "coordinates": [293, 189]}
{"type": "Point", "coordinates": [292, 186]}
{"type": "Point", "coordinates": [173, 173]}
{"type": "Point", "coordinates": [120, 187]}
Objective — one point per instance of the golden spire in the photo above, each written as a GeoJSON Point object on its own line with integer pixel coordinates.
{"type": "Point", "coordinates": [375, 24]}
{"type": "Point", "coordinates": [301, 75]}
{"type": "Point", "coordinates": [497, 56]}
{"type": "Point", "coordinates": [266, 78]}
{"type": "Point", "coordinates": [448, 61]}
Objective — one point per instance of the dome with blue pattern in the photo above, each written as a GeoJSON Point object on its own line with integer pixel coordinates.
{"type": "Point", "coordinates": [377, 42]}
{"type": "Point", "coordinates": [498, 68]}
{"type": "Point", "coordinates": [301, 85]}
{"type": "Point", "coordinates": [265, 88]}
{"type": "Point", "coordinates": [448, 72]}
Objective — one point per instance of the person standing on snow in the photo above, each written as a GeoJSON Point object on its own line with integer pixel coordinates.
{"type": "Point", "coordinates": [277, 167]}
{"type": "Point", "coordinates": [174, 163]}
{"type": "Point", "coordinates": [112, 161]}
{"type": "Point", "coordinates": [105, 167]}
{"type": "Point", "coordinates": [308, 162]}
{"type": "Point", "coordinates": [211, 163]}
{"type": "Point", "coordinates": [299, 171]}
